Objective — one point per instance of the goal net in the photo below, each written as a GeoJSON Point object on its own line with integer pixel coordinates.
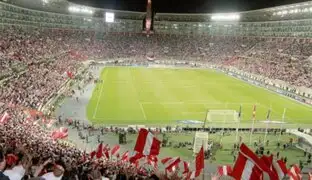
{"type": "Point", "coordinates": [222, 116]}
{"type": "Point", "coordinates": [200, 139]}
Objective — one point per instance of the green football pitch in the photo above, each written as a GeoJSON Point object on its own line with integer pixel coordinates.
{"type": "Point", "coordinates": [161, 96]}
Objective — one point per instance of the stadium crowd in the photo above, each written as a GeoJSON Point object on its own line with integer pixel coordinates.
{"type": "Point", "coordinates": [37, 61]}
{"type": "Point", "coordinates": [27, 150]}
{"type": "Point", "coordinates": [284, 59]}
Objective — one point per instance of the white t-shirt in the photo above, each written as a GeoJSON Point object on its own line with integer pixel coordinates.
{"type": "Point", "coordinates": [13, 175]}
{"type": "Point", "coordinates": [16, 173]}
{"type": "Point", "coordinates": [19, 169]}
{"type": "Point", "coordinates": [50, 176]}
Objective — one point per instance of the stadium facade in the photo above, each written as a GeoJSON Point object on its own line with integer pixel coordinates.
{"type": "Point", "coordinates": [293, 20]}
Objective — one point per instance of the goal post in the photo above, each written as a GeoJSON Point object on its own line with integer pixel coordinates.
{"type": "Point", "coordinates": [222, 116]}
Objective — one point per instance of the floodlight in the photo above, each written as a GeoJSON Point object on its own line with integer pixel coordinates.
{"type": "Point", "coordinates": [225, 17]}
{"type": "Point", "coordinates": [80, 9]}
{"type": "Point", "coordinates": [109, 17]}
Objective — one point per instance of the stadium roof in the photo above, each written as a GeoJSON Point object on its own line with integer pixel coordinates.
{"type": "Point", "coordinates": [291, 11]}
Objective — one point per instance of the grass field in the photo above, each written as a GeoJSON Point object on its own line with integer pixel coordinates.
{"type": "Point", "coordinates": [150, 96]}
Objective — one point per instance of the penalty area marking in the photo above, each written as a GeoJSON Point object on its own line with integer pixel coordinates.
{"type": "Point", "coordinates": [98, 100]}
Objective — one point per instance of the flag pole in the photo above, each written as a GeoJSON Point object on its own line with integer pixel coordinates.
{"type": "Point", "coordinates": [239, 119]}
{"type": "Point", "coordinates": [226, 105]}
{"type": "Point", "coordinates": [205, 119]}
{"type": "Point", "coordinates": [204, 161]}
{"type": "Point", "coordinates": [267, 124]}
{"type": "Point", "coordinates": [283, 120]}
{"type": "Point", "coordinates": [253, 123]}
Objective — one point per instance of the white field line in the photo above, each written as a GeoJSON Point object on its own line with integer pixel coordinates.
{"type": "Point", "coordinates": [195, 102]}
{"type": "Point", "coordinates": [193, 112]}
{"type": "Point", "coordinates": [136, 92]}
{"type": "Point", "coordinates": [99, 98]}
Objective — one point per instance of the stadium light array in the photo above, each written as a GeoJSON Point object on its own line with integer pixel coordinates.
{"type": "Point", "coordinates": [293, 11]}
{"type": "Point", "coordinates": [225, 17]}
{"type": "Point", "coordinates": [80, 9]}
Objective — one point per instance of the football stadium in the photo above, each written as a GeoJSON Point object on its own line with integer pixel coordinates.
{"type": "Point", "coordinates": [92, 93]}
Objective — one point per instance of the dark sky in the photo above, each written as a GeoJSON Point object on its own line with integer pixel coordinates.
{"type": "Point", "coordinates": [187, 6]}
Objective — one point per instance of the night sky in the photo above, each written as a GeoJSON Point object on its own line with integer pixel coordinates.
{"type": "Point", "coordinates": [187, 6]}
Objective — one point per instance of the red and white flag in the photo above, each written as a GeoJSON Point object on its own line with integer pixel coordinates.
{"type": "Point", "coordinates": [294, 173]}
{"type": "Point", "coordinates": [50, 123]}
{"type": "Point", "coordinates": [310, 176]}
{"type": "Point", "coordinates": [248, 166]}
{"type": "Point", "coordinates": [134, 156]}
{"type": "Point", "coordinates": [125, 156]}
{"type": "Point", "coordinates": [146, 143]}
{"type": "Point", "coordinates": [153, 161]}
{"type": "Point", "coordinates": [279, 167]}
{"type": "Point", "coordinates": [268, 160]}
{"type": "Point", "coordinates": [61, 133]}
{"type": "Point", "coordinates": [115, 150]}
{"type": "Point", "coordinates": [224, 170]}
{"type": "Point", "coordinates": [171, 163]}
{"type": "Point", "coordinates": [190, 175]}
{"type": "Point", "coordinates": [199, 164]}
{"type": "Point", "coordinates": [106, 150]}
{"type": "Point", "coordinates": [4, 118]}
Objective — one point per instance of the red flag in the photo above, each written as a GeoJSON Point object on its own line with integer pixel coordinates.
{"type": "Point", "coordinates": [224, 170]}
{"type": "Point", "coordinates": [99, 151]}
{"type": "Point", "coordinates": [294, 173]}
{"type": "Point", "coordinates": [186, 166]}
{"type": "Point", "coordinates": [92, 154]}
{"type": "Point", "coordinates": [170, 163]}
{"type": "Point", "coordinates": [4, 118]}
{"type": "Point", "coordinates": [115, 150]}
{"type": "Point", "coordinates": [200, 162]}
{"type": "Point", "coordinates": [70, 74]}
{"type": "Point", "coordinates": [249, 166]}
{"type": "Point", "coordinates": [147, 144]}
{"type": "Point", "coordinates": [280, 169]}
{"type": "Point", "coordinates": [106, 153]}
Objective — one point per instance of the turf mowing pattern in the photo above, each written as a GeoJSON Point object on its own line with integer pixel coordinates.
{"type": "Point", "coordinates": [154, 96]}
